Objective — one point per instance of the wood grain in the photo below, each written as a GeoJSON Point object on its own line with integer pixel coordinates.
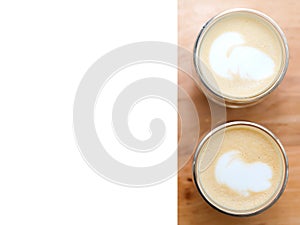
{"type": "Point", "coordinates": [280, 112]}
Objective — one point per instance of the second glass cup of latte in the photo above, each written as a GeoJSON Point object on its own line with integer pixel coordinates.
{"type": "Point", "coordinates": [240, 168]}
{"type": "Point", "coordinates": [241, 56]}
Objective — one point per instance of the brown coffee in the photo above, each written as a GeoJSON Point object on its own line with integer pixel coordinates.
{"type": "Point", "coordinates": [241, 55]}
{"type": "Point", "coordinates": [240, 169]}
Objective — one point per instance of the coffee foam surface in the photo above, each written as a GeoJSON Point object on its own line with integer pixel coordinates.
{"type": "Point", "coordinates": [244, 172]}
{"type": "Point", "coordinates": [241, 55]}
{"type": "Point", "coordinates": [229, 55]}
{"type": "Point", "coordinates": [240, 176]}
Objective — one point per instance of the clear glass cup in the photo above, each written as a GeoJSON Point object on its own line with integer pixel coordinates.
{"type": "Point", "coordinates": [206, 164]}
{"type": "Point", "coordinates": [210, 83]}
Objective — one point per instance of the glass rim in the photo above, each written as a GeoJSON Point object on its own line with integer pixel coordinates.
{"type": "Point", "coordinates": [279, 76]}
{"type": "Point", "coordinates": [264, 206]}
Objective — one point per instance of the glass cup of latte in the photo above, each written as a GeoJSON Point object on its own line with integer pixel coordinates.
{"type": "Point", "coordinates": [241, 56]}
{"type": "Point", "coordinates": [240, 168]}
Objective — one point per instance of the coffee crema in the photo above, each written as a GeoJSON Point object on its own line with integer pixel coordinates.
{"type": "Point", "coordinates": [240, 169]}
{"type": "Point", "coordinates": [241, 54]}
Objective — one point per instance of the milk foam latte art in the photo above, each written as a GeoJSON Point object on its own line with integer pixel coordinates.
{"type": "Point", "coordinates": [240, 55]}
{"type": "Point", "coordinates": [240, 168]}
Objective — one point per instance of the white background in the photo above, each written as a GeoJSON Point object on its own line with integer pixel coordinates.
{"type": "Point", "coordinates": [45, 49]}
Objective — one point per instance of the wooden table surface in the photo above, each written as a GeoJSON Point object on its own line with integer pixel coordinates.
{"type": "Point", "coordinates": [280, 112]}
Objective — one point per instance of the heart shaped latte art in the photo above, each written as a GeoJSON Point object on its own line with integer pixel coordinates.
{"type": "Point", "coordinates": [230, 56]}
{"type": "Point", "coordinates": [240, 176]}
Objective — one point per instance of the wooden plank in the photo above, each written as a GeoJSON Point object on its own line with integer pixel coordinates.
{"type": "Point", "coordinates": [280, 112]}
